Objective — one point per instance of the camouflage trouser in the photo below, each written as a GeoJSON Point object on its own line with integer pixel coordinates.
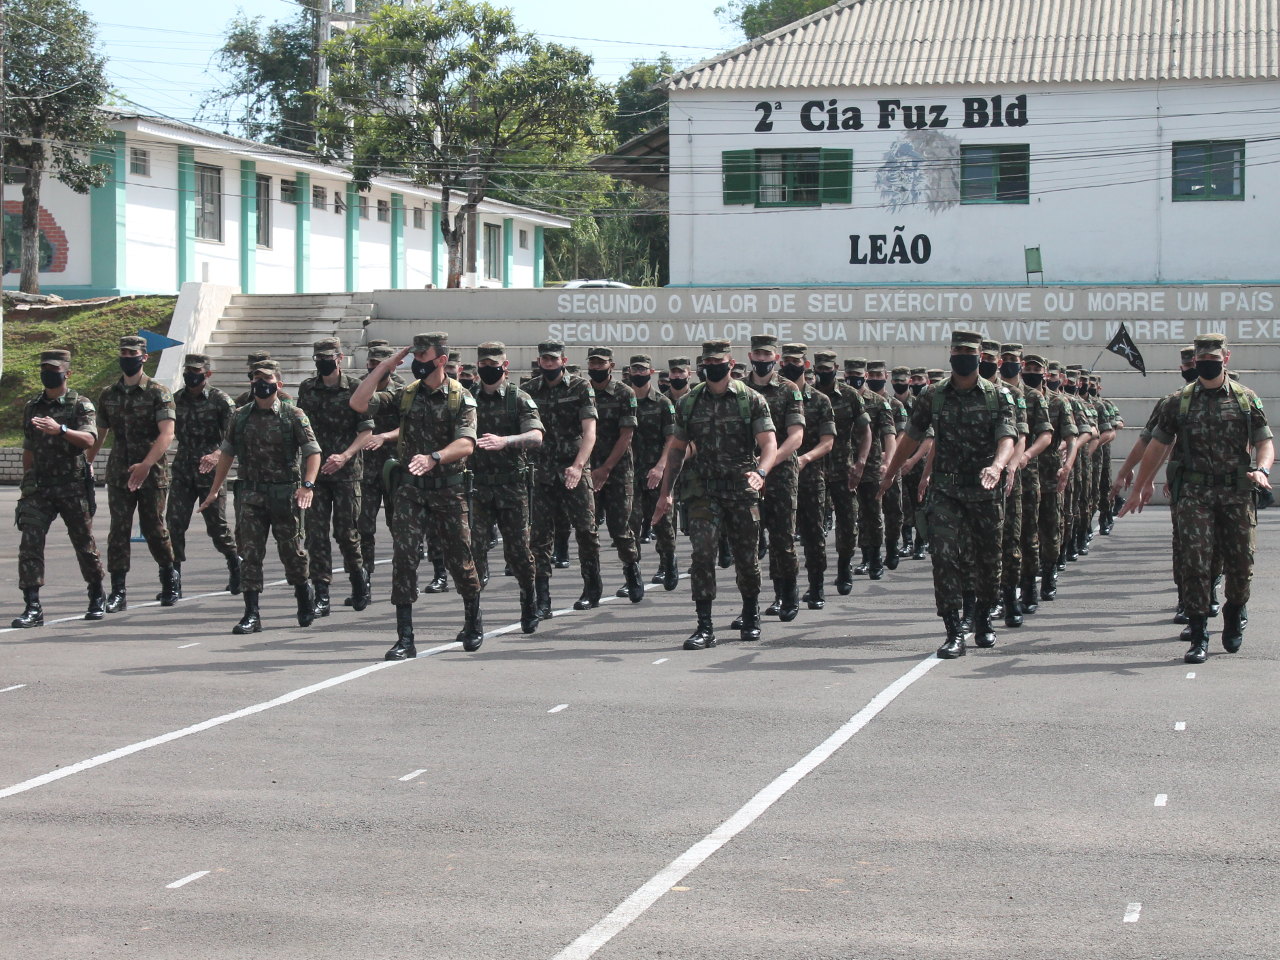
{"type": "Point", "coordinates": [373, 498]}
{"type": "Point", "coordinates": [1106, 502]}
{"type": "Point", "coordinates": [910, 495]}
{"type": "Point", "coordinates": [614, 498]}
{"type": "Point", "coordinates": [643, 503]}
{"type": "Point", "coordinates": [444, 514]}
{"type": "Point", "coordinates": [778, 516]}
{"type": "Point", "coordinates": [336, 501]}
{"type": "Point", "coordinates": [186, 491]}
{"type": "Point", "coordinates": [1051, 509]}
{"type": "Point", "coordinates": [507, 505]}
{"type": "Point", "coordinates": [870, 517]}
{"type": "Point", "coordinates": [1070, 507]}
{"type": "Point", "coordinates": [35, 512]}
{"type": "Point", "coordinates": [964, 541]}
{"type": "Point", "coordinates": [149, 501]}
{"type": "Point", "coordinates": [844, 503]}
{"type": "Point", "coordinates": [270, 508]}
{"type": "Point", "coordinates": [1030, 523]}
{"type": "Point", "coordinates": [810, 515]}
{"type": "Point", "coordinates": [1215, 524]}
{"type": "Point", "coordinates": [1083, 475]}
{"type": "Point", "coordinates": [740, 519]}
{"type": "Point", "coordinates": [578, 506]}
{"type": "Point", "coordinates": [891, 505]}
{"type": "Point", "coordinates": [1011, 537]}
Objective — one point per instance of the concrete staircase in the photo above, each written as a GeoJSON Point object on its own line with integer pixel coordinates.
{"type": "Point", "coordinates": [286, 326]}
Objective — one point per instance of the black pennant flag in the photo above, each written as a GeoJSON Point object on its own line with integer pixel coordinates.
{"type": "Point", "coordinates": [1122, 345]}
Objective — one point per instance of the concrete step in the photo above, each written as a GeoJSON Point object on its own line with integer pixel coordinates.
{"type": "Point", "coordinates": [290, 312]}
{"type": "Point", "coordinates": [294, 299]}
{"type": "Point", "coordinates": [250, 330]}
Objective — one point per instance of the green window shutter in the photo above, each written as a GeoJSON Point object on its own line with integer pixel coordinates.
{"type": "Point", "coordinates": [739, 169]}
{"type": "Point", "coordinates": [837, 176]}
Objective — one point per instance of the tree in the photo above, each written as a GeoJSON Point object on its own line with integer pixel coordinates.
{"type": "Point", "coordinates": [54, 81]}
{"type": "Point", "coordinates": [641, 105]}
{"type": "Point", "coordinates": [755, 18]}
{"type": "Point", "coordinates": [452, 95]}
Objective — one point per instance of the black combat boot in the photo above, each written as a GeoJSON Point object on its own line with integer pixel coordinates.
{"type": "Point", "coordinates": [320, 590]}
{"type": "Point", "coordinates": [966, 616]}
{"type": "Point", "coordinates": [1062, 557]}
{"type": "Point", "coordinates": [815, 598]}
{"type": "Point", "coordinates": [529, 618]}
{"type": "Point", "coordinates": [905, 552]}
{"type": "Point", "coordinates": [750, 618]}
{"type": "Point", "coordinates": [875, 565]}
{"type": "Point", "coordinates": [472, 633]}
{"type": "Point", "coordinates": [360, 596]}
{"type": "Point", "coordinates": [844, 575]}
{"type": "Point", "coordinates": [1012, 608]}
{"type": "Point", "coordinates": [403, 649]}
{"type": "Point", "coordinates": [1073, 547]}
{"type": "Point", "coordinates": [635, 589]}
{"type": "Point", "coordinates": [954, 645]}
{"type": "Point", "coordinates": [33, 614]}
{"type": "Point", "coordinates": [660, 574]}
{"type": "Point", "coordinates": [921, 547]}
{"type": "Point", "coordinates": [1234, 618]}
{"type": "Point", "coordinates": [1048, 584]}
{"type": "Point", "coordinates": [306, 598]}
{"type": "Point", "coordinates": [97, 602]}
{"type": "Point", "coordinates": [861, 569]}
{"type": "Point", "coordinates": [251, 622]}
{"type": "Point", "coordinates": [542, 597]}
{"type": "Point", "coordinates": [704, 634]}
{"type": "Point", "coordinates": [561, 552]}
{"type": "Point", "coordinates": [984, 634]}
{"type": "Point", "coordinates": [891, 556]}
{"type": "Point", "coordinates": [671, 575]}
{"type": "Point", "coordinates": [776, 607]}
{"type": "Point", "coordinates": [725, 560]}
{"type": "Point", "coordinates": [117, 600]}
{"type": "Point", "coordinates": [1082, 542]}
{"type": "Point", "coordinates": [439, 580]}
{"type": "Point", "coordinates": [233, 575]}
{"type": "Point", "coordinates": [170, 585]}
{"type": "Point", "coordinates": [790, 607]}
{"type": "Point", "coordinates": [1180, 612]}
{"type": "Point", "coordinates": [1030, 595]}
{"type": "Point", "coordinates": [1199, 650]}
{"type": "Point", "coordinates": [591, 590]}
{"type": "Point", "coordinates": [1214, 606]}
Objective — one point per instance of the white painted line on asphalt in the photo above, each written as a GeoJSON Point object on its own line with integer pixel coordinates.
{"type": "Point", "coordinates": [646, 896]}
{"type": "Point", "coordinates": [185, 645]}
{"type": "Point", "coordinates": [663, 660]}
{"type": "Point", "coordinates": [1180, 725]}
{"type": "Point", "coordinates": [83, 765]}
{"type": "Point", "coordinates": [1162, 799]}
{"type": "Point", "coordinates": [563, 706]}
{"type": "Point", "coordinates": [1131, 912]}
{"type": "Point", "coordinates": [16, 686]}
{"type": "Point", "coordinates": [410, 776]}
{"type": "Point", "coordinates": [1191, 675]}
{"type": "Point", "coordinates": [185, 880]}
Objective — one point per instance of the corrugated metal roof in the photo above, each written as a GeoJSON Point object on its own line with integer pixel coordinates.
{"type": "Point", "coordinates": [857, 43]}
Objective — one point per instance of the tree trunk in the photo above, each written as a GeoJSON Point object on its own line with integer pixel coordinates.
{"type": "Point", "coordinates": [30, 279]}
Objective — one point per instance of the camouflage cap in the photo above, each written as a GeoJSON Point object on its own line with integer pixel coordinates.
{"type": "Point", "coordinates": [876, 366]}
{"type": "Point", "coordinates": [455, 356]}
{"type": "Point", "coordinates": [1054, 366]}
{"type": "Point", "coordinates": [1188, 354]}
{"type": "Point", "coordinates": [989, 346]}
{"type": "Point", "coordinates": [826, 358]}
{"type": "Point", "coordinates": [327, 347]}
{"type": "Point", "coordinates": [270, 365]}
{"type": "Point", "coordinates": [641, 360]}
{"type": "Point", "coordinates": [720, 349]}
{"type": "Point", "coordinates": [900, 372]}
{"type": "Point", "coordinates": [1071, 372]}
{"type": "Point", "coordinates": [197, 360]}
{"type": "Point", "coordinates": [1209, 342]}
{"type": "Point", "coordinates": [492, 348]}
{"type": "Point", "coordinates": [551, 348]}
{"type": "Point", "coordinates": [599, 353]}
{"type": "Point", "coordinates": [468, 368]}
{"type": "Point", "coordinates": [764, 341]}
{"type": "Point", "coordinates": [377, 342]}
{"type": "Point", "coordinates": [381, 352]}
{"type": "Point", "coordinates": [679, 362]}
{"type": "Point", "coordinates": [935, 374]}
{"type": "Point", "coordinates": [133, 342]}
{"type": "Point", "coordinates": [258, 355]}
{"type": "Point", "coordinates": [1076, 367]}
{"type": "Point", "coordinates": [1014, 349]}
{"type": "Point", "coordinates": [966, 338]}
{"type": "Point", "coordinates": [1036, 359]}
{"type": "Point", "coordinates": [795, 350]}
{"type": "Point", "coordinates": [61, 358]}
{"type": "Point", "coordinates": [919, 371]}
{"type": "Point", "coordinates": [855, 363]}
{"type": "Point", "coordinates": [739, 368]}
{"type": "Point", "coordinates": [571, 368]}
{"type": "Point", "coordinates": [430, 341]}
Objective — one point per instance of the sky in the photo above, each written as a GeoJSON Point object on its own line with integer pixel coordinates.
{"type": "Point", "coordinates": [160, 52]}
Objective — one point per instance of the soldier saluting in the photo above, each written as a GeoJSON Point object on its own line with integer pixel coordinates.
{"type": "Point", "coordinates": [58, 425]}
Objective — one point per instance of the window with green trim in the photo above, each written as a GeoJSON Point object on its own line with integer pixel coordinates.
{"type": "Point", "coordinates": [995, 173]}
{"type": "Point", "coordinates": [208, 203]}
{"type": "Point", "coordinates": [264, 210]}
{"type": "Point", "coordinates": [787, 178]}
{"type": "Point", "coordinates": [1208, 170]}
{"type": "Point", "coordinates": [493, 251]}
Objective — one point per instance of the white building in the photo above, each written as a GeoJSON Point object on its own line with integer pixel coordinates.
{"type": "Point", "coordinates": [933, 141]}
{"type": "Point", "coordinates": [182, 203]}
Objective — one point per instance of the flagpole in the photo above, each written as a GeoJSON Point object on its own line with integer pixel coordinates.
{"type": "Point", "coordinates": [1096, 359]}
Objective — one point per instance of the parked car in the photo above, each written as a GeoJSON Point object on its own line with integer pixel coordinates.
{"type": "Point", "coordinates": [576, 284]}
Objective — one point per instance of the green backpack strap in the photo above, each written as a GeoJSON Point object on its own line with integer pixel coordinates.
{"type": "Point", "coordinates": [690, 399]}
{"type": "Point", "coordinates": [456, 390]}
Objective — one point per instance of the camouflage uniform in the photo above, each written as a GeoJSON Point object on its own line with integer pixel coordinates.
{"type": "Point", "coordinates": [133, 415]}
{"type": "Point", "coordinates": [849, 413]}
{"type": "Point", "coordinates": [202, 421]}
{"type": "Point", "coordinates": [1038, 423]}
{"type": "Point", "coordinates": [1052, 503]}
{"type": "Point", "coordinates": [655, 422]}
{"type": "Point", "coordinates": [267, 444]}
{"type": "Point", "coordinates": [615, 412]}
{"type": "Point", "coordinates": [898, 377]}
{"type": "Point", "coordinates": [1011, 536]}
{"type": "Point", "coordinates": [819, 422]}
{"type": "Point", "coordinates": [373, 495]}
{"type": "Point", "coordinates": [891, 502]}
{"type": "Point", "coordinates": [1086, 424]}
{"type": "Point", "coordinates": [870, 510]}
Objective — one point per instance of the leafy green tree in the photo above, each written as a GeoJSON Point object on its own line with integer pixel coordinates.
{"type": "Point", "coordinates": [54, 81]}
{"type": "Point", "coordinates": [452, 95]}
{"type": "Point", "coordinates": [755, 18]}
{"type": "Point", "coordinates": [641, 105]}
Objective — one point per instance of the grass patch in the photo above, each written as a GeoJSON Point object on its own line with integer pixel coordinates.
{"type": "Point", "coordinates": [91, 332]}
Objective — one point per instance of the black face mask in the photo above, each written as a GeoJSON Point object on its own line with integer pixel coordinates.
{"type": "Point", "coordinates": [763, 367]}
{"type": "Point", "coordinates": [876, 385]}
{"type": "Point", "coordinates": [1068, 386]}
{"type": "Point", "coordinates": [793, 372]}
{"type": "Point", "coordinates": [422, 369]}
{"type": "Point", "coordinates": [678, 383]}
{"type": "Point", "coordinates": [918, 388]}
{"type": "Point", "coordinates": [1010, 369]}
{"type": "Point", "coordinates": [900, 388]}
{"type": "Point", "coordinates": [987, 369]}
{"type": "Point", "coordinates": [490, 375]}
{"type": "Point", "coordinates": [264, 388]}
{"type": "Point", "coordinates": [1209, 369]}
{"type": "Point", "coordinates": [551, 376]}
{"type": "Point", "coordinates": [193, 380]}
{"type": "Point", "coordinates": [467, 382]}
{"type": "Point", "coordinates": [52, 379]}
{"type": "Point", "coordinates": [598, 376]}
{"type": "Point", "coordinates": [855, 382]}
{"type": "Point", "coordinates": [1189, 376]}
{"type": "Point", "coordinates": [326, 365]}
{"type": "Point", "coordinates": [716, 371]}
{"type": "Point", "coordinates": [1054, 385]}
{"type": "Point", "coordinates": [641, 379]}
{"type": "Point", "coordinates": [131, 366]}
{"type": "Point", "coordinates": [964, 364]}
{"type": "Point", "coordinates": [826, 378]}
{"type": "Point", "coordinates": [1032, 380]}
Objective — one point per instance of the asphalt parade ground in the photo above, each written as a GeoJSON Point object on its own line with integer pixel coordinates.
{"type": "Point", "coordinates": [169, 790]}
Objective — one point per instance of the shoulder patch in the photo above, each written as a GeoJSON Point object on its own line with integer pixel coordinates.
{"type": "Point", "coordinates": [1022, 404]}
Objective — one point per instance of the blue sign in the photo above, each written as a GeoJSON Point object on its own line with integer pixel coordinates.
{"type": "Point", "coordinates": [157, 342]}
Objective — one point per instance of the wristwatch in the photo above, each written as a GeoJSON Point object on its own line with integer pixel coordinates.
{"type": "Point", "coordinates": [308, 485]}
{"type": "Point", "coordinates": [63, 428]}
{"type": "Point", "coordinates": [1262, 470]}
{"type": "Point", "coordinates": [763, 475]}
{"type": "Point", "coordinates": [435, 455]}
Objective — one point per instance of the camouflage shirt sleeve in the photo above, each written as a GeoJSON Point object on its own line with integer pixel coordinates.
{"type": "Point", "coordinates": [761, 420]}
{"type": "Point", "coordinates": [302, 432]}
{"type": "Point", "coordinates": [627, 417]}
{"type": "Point", "coordinates": [586, 402]}
{"type": "Point", "coordinates": [1148, 428]}
{"type": "Point", "coordinates": [465, 424]}
{"type": "Point", "coordinates": [668, 416]}
{"type": "Point", "coordinates": [794, 409]}
{"type": "Point", "coordinates": [229, 437]}
{"type": "Point", "coordinates": [1166, 426]}
{"type": "Point", "coordinates": [1006, 416]}
{"type": "Point", "coordinates": [921, 415]}
{"type": "Point", "coordinates": [1258, 428]}
{"type": "Point", "coordinates": [165, 408]}
{"type": "Point", "coordinates": [529, 417]}
{"type": "Point", "coordinates": [86, 417]}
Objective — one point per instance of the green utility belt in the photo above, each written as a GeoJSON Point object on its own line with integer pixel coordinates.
{"type": "Point", "coordinates": [393, 475]}
{"type": "Point", "coordinates": [1237, 478]}
{"type": "Point", "coordinates": [958, 479]}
